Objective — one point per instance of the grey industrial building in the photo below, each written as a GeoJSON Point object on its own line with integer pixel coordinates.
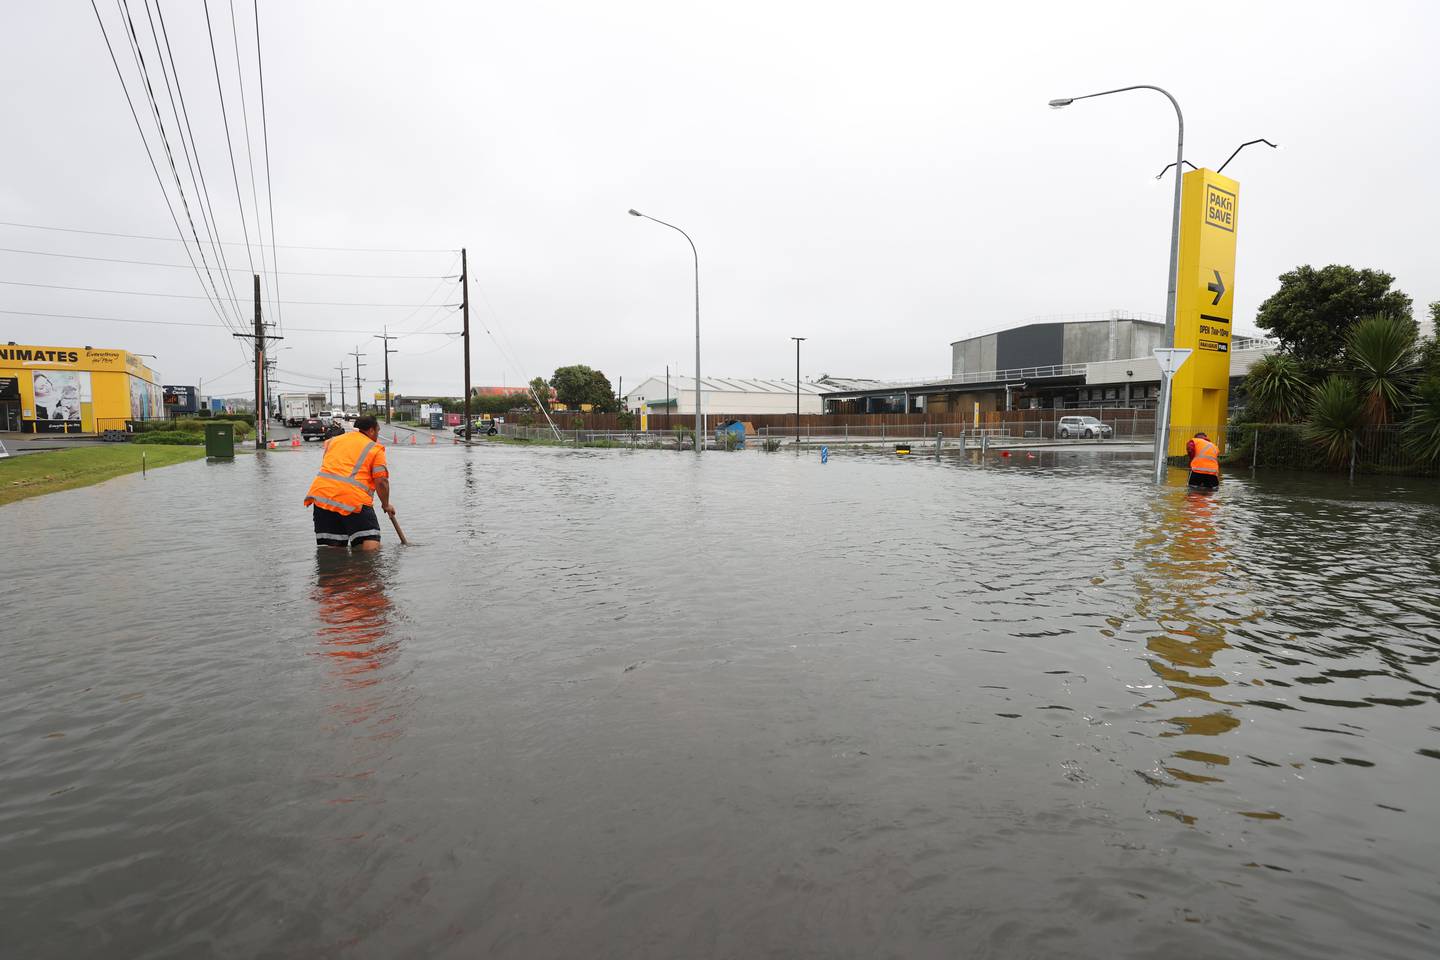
{"type": "Point", "coordinates": [1064, 363]}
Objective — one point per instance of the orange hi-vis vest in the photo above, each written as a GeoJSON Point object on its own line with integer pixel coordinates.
{"type": "Point", "coordinates": [346, 481]}
{"type": "Point", "coordinates": [1206, 459]}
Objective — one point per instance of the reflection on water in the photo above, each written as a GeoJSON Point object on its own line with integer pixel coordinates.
{"type": "Point", "coordinates": [635, 704]}
{"type": "Point", "coordinates": [1189, 592]}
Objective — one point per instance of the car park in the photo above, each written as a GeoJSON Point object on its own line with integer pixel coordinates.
{"type": "Point", "coordinates": [1088, 427]}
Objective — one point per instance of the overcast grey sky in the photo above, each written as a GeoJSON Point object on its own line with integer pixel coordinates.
{"type": "Point", "coordinates": [880, 178]}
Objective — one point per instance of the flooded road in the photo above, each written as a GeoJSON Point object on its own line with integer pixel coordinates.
{"type": "Point", "coordinates": [643, 704]}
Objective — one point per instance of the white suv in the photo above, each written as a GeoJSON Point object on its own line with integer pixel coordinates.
{"type": "Point", "coordinates": [1087, 427]}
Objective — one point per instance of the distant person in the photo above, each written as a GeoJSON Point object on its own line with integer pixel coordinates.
{"type": "Point", "coordinates": [334, 429]}
{"type": "Point", "coordinates": [341, 493]}
{"type": "Point", "coordinates": [1204, 462]}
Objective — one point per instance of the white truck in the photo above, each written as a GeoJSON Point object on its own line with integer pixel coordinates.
{"type": "Point", "coordinates": [296, 408]}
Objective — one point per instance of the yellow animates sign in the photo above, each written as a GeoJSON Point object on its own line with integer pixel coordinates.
{"type": "Point", "coordinates": [1205, 306]}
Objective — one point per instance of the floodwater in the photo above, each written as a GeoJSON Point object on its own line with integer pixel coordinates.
{"type": "Point", "coordinates": [643, 704]}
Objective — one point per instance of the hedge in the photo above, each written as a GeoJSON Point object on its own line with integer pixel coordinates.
{"type": "Point", "coordinates": [179, 438]}
{"type": "Point", "coordinates": [190, 425]}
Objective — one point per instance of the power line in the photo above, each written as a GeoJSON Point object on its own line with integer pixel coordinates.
{"type": "Point", "coordinates": [249, 154]}
{"type": "Point", "coordinates": [228, 243]}
{"type": "Point", "coordinates": [144, 70]}
{"type": "Point", "coordinates": [229, 144]}
{"type": "Point", "coordinates": [191, 296]}
{"type": "Point", "coordinates": [207, 208]}
{"type": "Point", "coordinates": [282, 273]}
{"type": "Point", "coordinates": [265, 130]}
{"type": "Point", "coordinates": [149, 155]}
{"type": "Point", "coordinates": [181, 323]}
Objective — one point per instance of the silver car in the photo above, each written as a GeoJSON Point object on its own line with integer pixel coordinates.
{"type": "Point", "coordinates": [1087, 427]}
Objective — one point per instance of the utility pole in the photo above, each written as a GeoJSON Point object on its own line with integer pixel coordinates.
{"type": "Point", "coordinates": [330, 394]}
{"type": "Point", "coordinates": [341, 368]}
{"type": "Point", "coordinates": [798, 341]}
{"type": "Point", "coordinates": [465, 308]}
{"type": "Point", "coordinates": [385, 338]}
{"type": "Point", "coordinates": [359, 408]}
{"type": "Point", "coordinates": [259, 339]}
{"type": "Point", "coordinates": [667, 396]}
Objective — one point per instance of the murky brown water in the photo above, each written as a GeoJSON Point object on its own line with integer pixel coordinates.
{"type": "Point", "coordinates": [623, 704]}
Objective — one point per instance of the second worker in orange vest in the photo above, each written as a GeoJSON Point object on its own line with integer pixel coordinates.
{"type": "Point", "coordinates": [353, 470]}
{"type": "Point", "coordinates": [1204, 462]}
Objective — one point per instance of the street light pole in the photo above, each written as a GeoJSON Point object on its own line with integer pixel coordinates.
{"type": "Point", "coordinates": [1162, 430]}
{"type": "Point", "coordinates": [699, 425]}
{"type": "Point", "coordinates": [798, 341]}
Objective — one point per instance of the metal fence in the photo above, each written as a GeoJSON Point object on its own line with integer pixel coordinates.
{"type": "Point", "coordinates": [1373, 450]}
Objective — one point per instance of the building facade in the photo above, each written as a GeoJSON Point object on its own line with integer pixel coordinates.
{"type": "Point", "coordinates": [75, 389]}
{"type": "Point", "coordinates": [728, 396]}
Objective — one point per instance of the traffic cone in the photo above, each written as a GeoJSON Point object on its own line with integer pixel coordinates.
{"type": "Point", "coordinates": [412, 438]}
{"type": "Point", "coordinates": [394, 437]}
{"type": "Point", "coordinates": [270, 445]}
{"type": "Point", "coordinates": [432, 439]}
{"type": "Point", "coordinates": [295, 440]}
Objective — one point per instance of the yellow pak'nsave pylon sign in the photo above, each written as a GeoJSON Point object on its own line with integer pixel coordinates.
{"type": "Point", "coordinates": [1204, 306]}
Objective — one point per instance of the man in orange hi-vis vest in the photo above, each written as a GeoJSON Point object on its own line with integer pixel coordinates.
{"type": "Point", "coordinates": [1204, 462]}
{"type": "Point", "coordinates": [341, 493]}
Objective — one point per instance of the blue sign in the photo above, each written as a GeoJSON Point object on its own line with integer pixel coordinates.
{"type": "Point", "coordinates": [824, 454]}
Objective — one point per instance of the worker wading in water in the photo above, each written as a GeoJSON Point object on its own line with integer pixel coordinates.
{"type": "Point", "coordinates": [341, 493]}
{"type": "Point", "coordinates": [1204, 462]}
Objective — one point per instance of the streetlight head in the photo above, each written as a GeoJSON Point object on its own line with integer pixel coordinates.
{"type": "Point", "coordinates": [1064, 102]}
{"type": "Point", "coordinates": [635, 213]}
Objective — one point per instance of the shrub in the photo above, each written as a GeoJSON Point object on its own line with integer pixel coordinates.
{"type": "Point", "coordinates": [1422, 430]}
{"type": "Point", "coordinates": [1336, 415]}
{"type": "Point", "coordinates": [170, 437]}
{"type": "Point", "coordinates": [1381, 352]}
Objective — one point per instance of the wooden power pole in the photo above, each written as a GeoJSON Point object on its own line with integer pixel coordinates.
{"type": "Point", "coordinates": [384, 337]}
{"type": "Point", "coordinates": [465, 310]}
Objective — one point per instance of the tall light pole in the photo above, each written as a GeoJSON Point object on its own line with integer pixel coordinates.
{"type": "Point", "coordinates": [1162, 430]}
{"type": "Point", "coordinates": [699, 427]}
{"type": "Point", "coordinates": [798, 341]}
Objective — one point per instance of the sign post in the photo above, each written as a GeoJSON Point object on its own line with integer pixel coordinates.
{"type": "Point", "coordinates": [1170, 359]}
{"type": "Point", "coordinates": [1205, 306]}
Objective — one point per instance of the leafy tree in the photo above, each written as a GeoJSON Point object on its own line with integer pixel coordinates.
{"type": "Point", "coordinates": [1380, 352]}
{"type": "Point", "coordinates": [1429, 358]}
{"type": "Point", "coordinates": [539, 393]}
{"type": "Point", "coordinates": [1336, 416]}
{"type": "Point", "coordinates": [578, 384]}
{"type": "Point", "coordinates": [1312, 312]}
{"type": "Point", "coordinates": [1422, 431]}
{"type": "Point", "coordinates": [1277, 389]}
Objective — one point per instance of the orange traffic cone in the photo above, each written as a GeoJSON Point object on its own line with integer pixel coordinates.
{"type": "Point", "coordinates": [432, 439]}
{"type": "Point", "coordinates": [295, 440]}
{"type": "Point", "coordinates": [394, 437]}
{"type": "Point", "coordinates": [412, 438]}
{"type": "Point", "coordinates": [270, 445]}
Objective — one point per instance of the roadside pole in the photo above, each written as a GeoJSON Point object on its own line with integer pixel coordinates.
{"type": "Point", "coordinates": [384, 337]}
{"type": "Point", "coordinates": [1170, 359]}
{"type": "Point", "coordinates": [465, 310]}
{"type": "Point", "coordinates": [359, 406]}
{"type": "Point", "coordinates": [341, 368]}
{"type": "Point", "coordinates": [258, 338]}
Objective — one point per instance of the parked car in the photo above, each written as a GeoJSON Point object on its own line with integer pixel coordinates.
{"type": "Point", "coordinates": [1087, 427]}
{"type": "Point", "coordinates": [317, 428]}
{"type": "Point", "coordinates": [486, 427]}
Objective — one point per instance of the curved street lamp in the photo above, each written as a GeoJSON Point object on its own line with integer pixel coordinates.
{"type": "Point", "coordinates": [699, 431]}
{"type": "Point", "coordinates": [1162, 431]}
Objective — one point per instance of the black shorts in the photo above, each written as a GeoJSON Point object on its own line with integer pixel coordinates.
{"type": "Point", "coordinates": [334, 529]}
{"type": "Point", "coordinates": [1205, 481]}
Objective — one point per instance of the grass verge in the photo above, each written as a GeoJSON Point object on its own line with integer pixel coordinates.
{"type": "Point", "coordinates": [50, 471]}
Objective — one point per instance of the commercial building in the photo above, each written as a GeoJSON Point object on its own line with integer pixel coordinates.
{"type": "Point", "coordinates": [730, 396]}
{"type": "Point", "coordinates": [1090, 361]}
{"type": "Point", "coordinates": [75, 389]}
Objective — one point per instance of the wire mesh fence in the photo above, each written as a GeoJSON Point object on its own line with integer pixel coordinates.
{"type": "Point", "coordinates": [1288, 446]}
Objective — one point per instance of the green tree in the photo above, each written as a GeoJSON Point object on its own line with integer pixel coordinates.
{"type": "Point", "coordinates": [1336, 416]}
{"type": "Point", "coordinates": [539, 396]}
{"type": "Point", "coordinates": [1380, 352]}
{"type": "Point", "coordinates": [578, 384]}
{"type": "Point", "coordinates": [1277, 389]}
{"type": "Point", "coordinates": [1429, 352]}
{"type": "Point", "coordinates": [1312, 312]}
{"type": "Point", "coordinates": [1422, 430]}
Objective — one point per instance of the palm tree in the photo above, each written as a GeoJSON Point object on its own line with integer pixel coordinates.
{"type": "Point", "coordinates": [1422, 430]}
{"type": "Point", "coordinates": [1380, 351]}
{"type": "Point", "coordinates": [1336, 416]}
{"type": "Point", "coordinates": [1277, 388]}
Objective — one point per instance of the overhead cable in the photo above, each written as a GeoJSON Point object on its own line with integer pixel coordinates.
{"type": "Point", "coordinates": [228, 243]}
{"type": "Point", "coordinates": [182, 323]}
{"type": "Point", "coordinates": [283, 273]}
{"type": "Point", "coordinates": [191, 296]}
